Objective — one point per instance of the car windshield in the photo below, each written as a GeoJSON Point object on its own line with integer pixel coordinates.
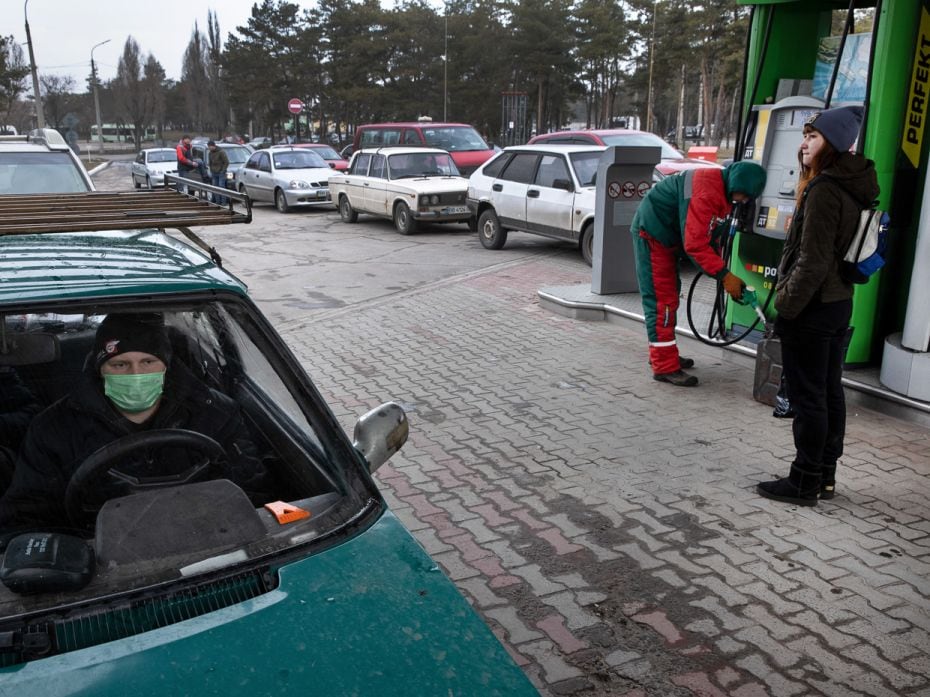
{"type": "Point", "coordinates": [668, 152]}
{"type": "Point", "coordinates": [454, 138]}
{"type": "Point", "coordinates": [421, 164]}
{"type": "Point", "coordinates": [163, 156]}
{"type": "Point", "coordinates": [40, 172]}
{"type": "Point", "coordinates": [327, 153]}
{"type": "Point", "coordinates": [237, 154]}
{"type": "Point", "coordinates": [161, 506]}
{"type": "Point", "coordinates": [298, 159]}
{"type": "Point", "coordinates": [585, 166]}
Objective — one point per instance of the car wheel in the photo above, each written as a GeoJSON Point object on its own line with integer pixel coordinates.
{"type": "Point", "coordinates": [490, 233]}
{"type": "Point", "coordinates": [403, 219]}
{"type": "Point", "coordinates": [586, 243]}
{"type": "Point", "coordinates": [280, 202]}
{"type": "Point", "coordinates": [346, 212]}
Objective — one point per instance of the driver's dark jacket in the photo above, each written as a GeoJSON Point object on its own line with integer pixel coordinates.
{"type": "Point", "coordinates": [61, 437]}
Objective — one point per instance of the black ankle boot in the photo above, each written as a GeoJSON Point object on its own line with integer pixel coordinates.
{"type": "Point", "coordinates": [828, 481]}
{"type": "Point", "coordinates": [679, 378]}
{"type": "Point", "coordinates": [801, 487]}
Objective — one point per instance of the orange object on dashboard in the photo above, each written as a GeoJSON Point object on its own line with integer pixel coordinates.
{"type": "Point", "coordinates": [286, 513]}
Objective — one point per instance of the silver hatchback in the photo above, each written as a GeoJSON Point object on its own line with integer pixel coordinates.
{"type": "Point", "coordinates": [287, 177]}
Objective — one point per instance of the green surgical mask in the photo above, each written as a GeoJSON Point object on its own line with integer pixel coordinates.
{"type": "Point", "coordinates": [134, 393]}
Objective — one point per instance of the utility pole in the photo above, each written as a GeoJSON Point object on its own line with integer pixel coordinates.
{"type": "Point", "coordinates": [445, 62]}
{"type": "Point", "coordinates": [93, 77]}
{"type": "Point", "coordinates": [40, 113]}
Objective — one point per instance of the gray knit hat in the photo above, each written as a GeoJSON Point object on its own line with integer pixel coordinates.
{"type": "Point", "coordinates": [840, 126]}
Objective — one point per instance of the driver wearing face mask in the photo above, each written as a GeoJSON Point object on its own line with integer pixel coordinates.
{"type": "Point", "coordinates": [131, 385]}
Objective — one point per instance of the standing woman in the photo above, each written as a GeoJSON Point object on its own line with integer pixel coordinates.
{"type": "Point", "coordinates": [814, 302]}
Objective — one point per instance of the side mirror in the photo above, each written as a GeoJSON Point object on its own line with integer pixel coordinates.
{"type": "Point", "coordinates": [564, 184]}
{"type": "Point", "coordinates": [380, 433]}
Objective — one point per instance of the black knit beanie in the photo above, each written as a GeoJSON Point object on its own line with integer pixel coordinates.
{"type": "Point", "coordinates": [119, 333]}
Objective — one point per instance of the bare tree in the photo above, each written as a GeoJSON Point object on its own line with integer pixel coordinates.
{"type": "Point", "coordinates": [58, 98]}
{"type": "Point", "coordinates": [218, 104]}
{"type": "Point", "coordinates": [13, 72]}
{"type": "Point", "coordinates": [153, 75]}
{"type": "Point", "coordinates": [133, 100]}
{"type": "Point", "coordinates": [195, 81]}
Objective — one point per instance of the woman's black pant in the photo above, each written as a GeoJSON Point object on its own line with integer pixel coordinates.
{"type": "Point", "coordinates": [813, 351]}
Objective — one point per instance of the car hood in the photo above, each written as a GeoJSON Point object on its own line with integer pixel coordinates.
{"type": "Point", "coordinates": [667, 167]}
{"type": "Point", "coordinates": [431, 185]}
{"type": "Point", "coordinates": [162, 167]}
{"type": "Point", "coordinates": [374, 615]}
{"type": "Point", "coordinates": [309, 174]}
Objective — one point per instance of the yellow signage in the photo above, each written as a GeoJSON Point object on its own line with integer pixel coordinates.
{"type": "Point", "coordinates": [918, 100]}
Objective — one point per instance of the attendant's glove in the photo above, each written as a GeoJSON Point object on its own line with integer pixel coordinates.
{"type": "Point", "coordinates": [733, 286]}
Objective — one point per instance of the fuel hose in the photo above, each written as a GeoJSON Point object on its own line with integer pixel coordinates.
{"type": "Point", "coordinates": [707, 292]}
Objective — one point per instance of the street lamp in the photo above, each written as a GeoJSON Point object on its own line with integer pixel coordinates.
{"type": "Point", "coordinates": [93, 77]}
{"type": "Point", "coordinates": [40, 113]}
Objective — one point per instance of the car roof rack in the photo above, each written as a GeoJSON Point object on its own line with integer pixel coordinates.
{"type": "Point", "coordinates": [94, 211]}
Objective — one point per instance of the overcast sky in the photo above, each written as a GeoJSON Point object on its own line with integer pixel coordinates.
{"type": "Point", "coordinates": [64, 31]}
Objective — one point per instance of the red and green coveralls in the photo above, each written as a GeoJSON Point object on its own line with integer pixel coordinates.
{"type": "Point", "coordinates": [679, 215]}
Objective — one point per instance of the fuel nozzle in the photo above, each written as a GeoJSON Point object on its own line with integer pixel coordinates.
{"type": "Point", "coordinates": [750, 298]}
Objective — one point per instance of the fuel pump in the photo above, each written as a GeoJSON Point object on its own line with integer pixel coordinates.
{"type": "Point", "coordinates": [773, 136]}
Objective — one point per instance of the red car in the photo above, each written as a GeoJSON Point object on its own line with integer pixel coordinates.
{"type": "Point", "coordinates": [333, 158]}
{"type": "Point", "coordinates": [672, 160]}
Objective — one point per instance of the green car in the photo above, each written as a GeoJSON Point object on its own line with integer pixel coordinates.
{"type": "Point", "coordinates": [201, 525]}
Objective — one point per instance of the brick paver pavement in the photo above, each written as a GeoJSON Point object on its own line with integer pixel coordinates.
{"type": "Point", "coordinates": [606, 526]}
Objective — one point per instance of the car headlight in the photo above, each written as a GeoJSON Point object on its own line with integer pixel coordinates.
{"type": "Point", "coordinates": [434, 199]}
{"type": "Point", "coordinates": [295, 184]}
{"type": "Point", "coordinates": [424, 200]}
{"type": "Point", "coordinates": [230, 176]}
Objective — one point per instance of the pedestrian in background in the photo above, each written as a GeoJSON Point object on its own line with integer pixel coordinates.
{"type": "Point", "coordinates": [188, 167]}
{"type": "Point", "coordinates": [679, 216]}
{"type": "Point", "coordinates": [814, 302]}
{"type": "Point", "coordinates": [219, 163]}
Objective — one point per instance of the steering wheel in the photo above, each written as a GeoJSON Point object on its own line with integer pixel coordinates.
{"type": "Point", "coordinates": [102, 462]}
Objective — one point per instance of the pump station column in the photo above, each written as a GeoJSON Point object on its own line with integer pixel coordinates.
{"type": "Point", "coordinates": [624, 176]}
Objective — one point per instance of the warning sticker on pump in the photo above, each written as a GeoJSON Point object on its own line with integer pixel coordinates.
{"type": "Point", "coordinates": [629, 188]}
{"type": "Point", "coordinates": [643, 189]}
{"type": "Point", "coordinates": [613, 189]}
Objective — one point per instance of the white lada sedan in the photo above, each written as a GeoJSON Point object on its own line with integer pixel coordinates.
{"type": "Point", "coordinates": [407, 185]}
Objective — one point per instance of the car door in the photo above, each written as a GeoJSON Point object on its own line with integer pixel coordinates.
{"type": "Point", "coordinates": [264, 178]}
{"type": "Point", "coordinates": [138, 168]}
{"type": "Point", "coordinates": [376, 186]}
{"type": "Point", "coordinates": [550, 198]}
{"type": "Point", "coordinates": [251, 177]}
{"type": "Point", "coordinates": [356, 180]}
{"type": "Point", "coordinates": [508, 191]}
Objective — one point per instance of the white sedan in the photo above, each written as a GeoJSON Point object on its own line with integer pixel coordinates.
{"type": "Point", "coordinates": [287, 177]}
{"type": "Point", "coordinates": [151, 165]}
{"type": "Point", "coordinates": [406, 185]}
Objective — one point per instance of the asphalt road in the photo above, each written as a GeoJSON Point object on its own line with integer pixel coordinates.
{"type": "Point", "coordinates": [304, 263]}
{"type": "Point", "coordinates": [604, 525]}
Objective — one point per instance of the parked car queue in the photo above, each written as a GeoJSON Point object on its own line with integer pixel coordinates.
{"type": "Point", "coordinates": [546, 187]}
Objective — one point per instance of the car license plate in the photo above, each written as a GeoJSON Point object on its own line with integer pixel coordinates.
{"type": "Point", "coordinates": [322, 194]}
{"type": "Point", "coordinates": [454, 210]}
